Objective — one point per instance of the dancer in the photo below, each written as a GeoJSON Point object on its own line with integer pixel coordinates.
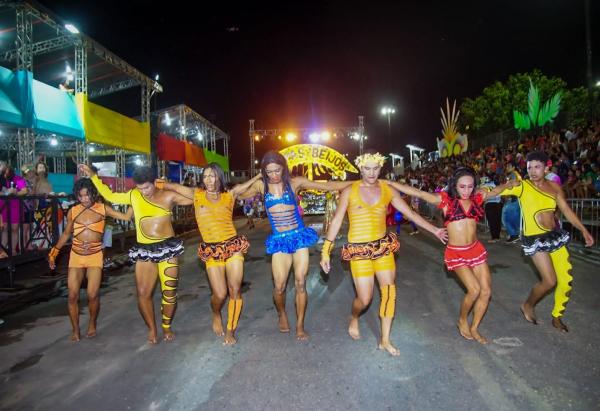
{"type": "Point", "coordinates": [157, 248]}
{"type": "Point", "coordinates": [290, 239]}
{"type": "Point", "coordinates": [543, 240]}
{"type": "Point", "coordinates": [222, 250]}
{"type": "Point", "coordinates": [462, 207]}
{"type": "Point", "coordinates": [370, 250]}
{"type": "Point", "coordinates": [85, 221]}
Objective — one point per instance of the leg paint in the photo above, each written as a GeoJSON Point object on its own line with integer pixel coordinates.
{"type": "Point", "coordinates": [168, 286]}
{"type": "Point", "coordinates": [234, 310]}
{"type": "Point", "coordinates": [387, 308]}
{"type": "Point", "coordinates": [562, 267]}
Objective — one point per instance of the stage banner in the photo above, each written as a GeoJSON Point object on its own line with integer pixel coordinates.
{"type": "Point", "coordinates": [212, 157]}
{"type": "Point", "coordinates": [169, 148]}
{"type": "Point", "coordinates": [194, 156]}
{"type": "Point", "coordinates": [104, 126]}
{"type": "Point", "coordinates": [310, 154]}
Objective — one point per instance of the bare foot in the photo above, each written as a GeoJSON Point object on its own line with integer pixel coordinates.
{"type": "Point", "coordinates": [168, 335]}
{"type": "Point", "coordinates": [301, 335]}
{"type": "Point", "coordinates": [229, 338]}
{"type": "Point", "coordinates": [353, 329]}
{"type": "Point", "coordinates": [463, 329]}
{"type": "Point", "coordinates": [558, 324]}
{"type": "Point", "coordinates": [91, 331]}
{"type": "Point", "coordinates": [152, 338]}
{"type": "Point", "coordinates": [528, 313]}
{"type": "Point", "coordinates": [478, 337]}
{"type": "Point", "coordinates": [284, 325]}
{"type": "Point", "coordinates": [75, 337]}
{"type": "Point", "coordinates": [387, 345]}
{"type": "Point", "coordinates": [218, 325]}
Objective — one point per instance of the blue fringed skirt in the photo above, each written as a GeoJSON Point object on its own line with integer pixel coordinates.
{"type": "Point", "coordinates": [290, 241]}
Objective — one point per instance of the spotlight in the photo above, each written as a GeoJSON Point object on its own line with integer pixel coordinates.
{"type": "Point", "coordinates": [314, 137]}
{"type": "Point", "coordinates": [72, 28]}
{"type": "Point", "coordinates": [53, 142]}
{"type": "Point", "coordinates": [290, 137]}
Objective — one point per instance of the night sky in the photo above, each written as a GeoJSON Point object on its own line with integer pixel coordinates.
{"type": "Point", "coordinates": [319, 64]}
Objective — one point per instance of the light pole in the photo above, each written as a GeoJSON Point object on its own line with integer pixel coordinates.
{"type": "Point", "coordinates": [388, 111]}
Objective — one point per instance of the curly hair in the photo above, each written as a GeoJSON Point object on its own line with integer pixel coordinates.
{"type": "Point", "coordinates": [91, 189]}
{"type": "Point", "coordinates": [458, 173]}
{"type": "Point", "coordinates": [144, 174]}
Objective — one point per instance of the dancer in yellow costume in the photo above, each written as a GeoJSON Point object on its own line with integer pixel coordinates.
{"type": "Point", "coordinates": [157, 248]}
{"type": "Point", "coordinates": [543, 240]}
{"type": "Point", "coordinates": [85, 221]}
{"type": "Point", "coordinates": [221, 249]}
{"type": "Point", "coordinates": [370, 250]}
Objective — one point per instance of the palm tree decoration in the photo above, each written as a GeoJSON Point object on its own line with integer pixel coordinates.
{"type": "Point", "coordinates": [453, 142]}
{"type": "Point", "coordinates": [537, 115]}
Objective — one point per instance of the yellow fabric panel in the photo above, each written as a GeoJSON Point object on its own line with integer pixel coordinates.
{"type": "Point", "coordinates": [104, 126]}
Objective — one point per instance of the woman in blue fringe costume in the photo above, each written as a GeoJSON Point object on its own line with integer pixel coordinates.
{"type": "Point", "coordinates": [290, 239]}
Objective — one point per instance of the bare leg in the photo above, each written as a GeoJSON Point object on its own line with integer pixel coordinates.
{"type": "Point", "coordinates": [94, 278]}
{"type": "Point", "coordinates": [235, 274]}
{"type": "Point", "coordinates": [145, 279]}
{"type": "Point", "coordinates": [218, 286]}
{"type": "Point", "coordinates": [75, 276]}
{"type": "Point", "coordinates": [543, 263]}
{"type": "Point", "coordinates": [300, 259]}
{"type": "Point", "coordinates": [385, 278]}
{"type": "Point", "coordinates": [484, 278]}
{"type": "Point", "coordinates": [281, 264]}
{"type": "Point", "coordinates": [466, 276]}
{"type": "Point", "coordinates": [364, 295]}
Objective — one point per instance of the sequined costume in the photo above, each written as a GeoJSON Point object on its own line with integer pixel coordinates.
{"type": "Point", "coordinates": [289, 233]}
{"type": "Point", "coordinates": [470, 255]}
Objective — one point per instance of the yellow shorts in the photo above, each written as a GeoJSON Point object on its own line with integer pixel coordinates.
{"type": "Point", "coordinates": [86, 261]}
{"type": "Point", "coordinates": [217, 263]}
{"type": "Point", "coordinates": [368, 268]}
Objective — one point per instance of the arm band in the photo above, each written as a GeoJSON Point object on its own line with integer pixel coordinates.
{"type": "Point", "coordinates": [327, 247]}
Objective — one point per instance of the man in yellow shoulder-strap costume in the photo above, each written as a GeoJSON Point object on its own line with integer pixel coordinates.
{"type": "Point", "coordinates": [157, 248]}
{"type": "Point", "coordinates": [543, 240]}
{"type": "Point", "coordinates": [370, 249]}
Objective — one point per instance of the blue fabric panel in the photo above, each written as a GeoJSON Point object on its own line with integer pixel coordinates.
{"type": "Point", "coordinates": [55, 111]}
{"type": "Point", "coordinates": [11, 110]}
{"type": "Point", "coordinates": [62, 183]}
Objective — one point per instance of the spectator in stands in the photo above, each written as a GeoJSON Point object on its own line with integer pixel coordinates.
{"type": "Point", "coordinates": [13, 185]}
{"type": "Point", "coordinates": [42, 185]}
{"type": "Point", "coordinates": [493, 209]}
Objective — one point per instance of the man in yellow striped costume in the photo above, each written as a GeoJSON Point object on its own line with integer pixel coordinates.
{"type": "Point", "coordinates": [221, 248]}
{"type": "Point", "coordinates": [370, 249]}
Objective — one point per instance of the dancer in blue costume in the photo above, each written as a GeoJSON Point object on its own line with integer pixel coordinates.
{"type": "Point", "coordinates": [290, 239]}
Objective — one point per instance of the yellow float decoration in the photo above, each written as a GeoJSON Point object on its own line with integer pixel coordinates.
{"type": "Point", "coordinates": [318, 160]}
{"type": "Point", "coordinates": [453, 143]}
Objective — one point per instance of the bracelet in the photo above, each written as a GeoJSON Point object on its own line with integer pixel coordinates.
{"type": "Point", "coordinates": [53, 252]}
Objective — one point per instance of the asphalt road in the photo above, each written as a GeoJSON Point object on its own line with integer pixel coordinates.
{"type": "Point", "coordinates": [525, 367]}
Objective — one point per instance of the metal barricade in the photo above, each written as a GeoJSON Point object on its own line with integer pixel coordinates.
{"type": "Point", "coordinates": [40, 223]}
{"type": "Point", "coordinates": [588, 211]}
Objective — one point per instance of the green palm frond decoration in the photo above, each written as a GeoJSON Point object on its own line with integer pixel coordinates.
{"type": "Point", "coordinates": [538, 114]}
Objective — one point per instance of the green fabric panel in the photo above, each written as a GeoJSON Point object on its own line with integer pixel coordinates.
{"type": "Point", "coordinates": [212, 157]}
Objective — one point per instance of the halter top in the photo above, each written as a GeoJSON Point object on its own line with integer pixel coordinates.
{"type": "Point", "coordinates": [283, 218]}
{"type": "Point", "coordinates": [455, 210]}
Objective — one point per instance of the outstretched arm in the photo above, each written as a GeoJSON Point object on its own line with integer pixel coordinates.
{"type": "Point", "coordinates": [239, 189]}
{"type": "Point", "coordinates": [334, 228]}
{"type": "Point", "coordinates": [126, 216]}
{"type": "Point", "coordinates": [302, 183]}
{"type": "Point", "coordinates": [254, 189]}
{"type": "Point", "coordinates": [563, 206]}
{"type": "Point", "coordinates": [178, 188]}
{"type": "Point", "coordinates": [415, 192]}
{"type": "Point", "coordinates": [103, 189]}
{"type": "Point", "coordinates": [499, 189]}
{"type": "Point", "coordinates": [404, 208]}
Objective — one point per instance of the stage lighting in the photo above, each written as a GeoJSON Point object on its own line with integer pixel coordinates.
{"type": "Point", "coordinates": [313, 137]}
{"type": "Point", "coordinates": [325, 135]}
{"type": "Point", "coordinates": [290, 137]}
{"type": "Point", "coordinates": [53, 141]}
{"type": "Point", "coordinates": [72, 28]}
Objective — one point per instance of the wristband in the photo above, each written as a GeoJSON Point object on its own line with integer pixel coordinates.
{"type": "Point", "coordinates": [327, 247]}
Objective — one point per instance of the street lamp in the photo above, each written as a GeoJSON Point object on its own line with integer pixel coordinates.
{"type": "Point", "coordinates": [388, 111]}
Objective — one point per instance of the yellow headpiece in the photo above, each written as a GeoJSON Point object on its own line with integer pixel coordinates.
{"type": "Point", "coordinates": [365, 158]}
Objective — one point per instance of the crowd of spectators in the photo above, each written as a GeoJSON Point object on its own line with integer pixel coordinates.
{"type": "Point", "coordinates": [574, 162]}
